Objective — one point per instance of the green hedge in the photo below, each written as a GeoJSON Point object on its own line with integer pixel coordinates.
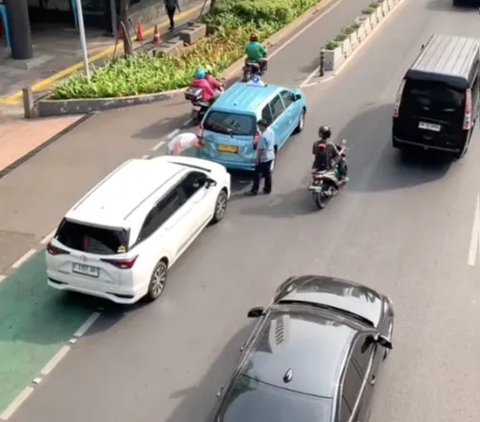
{"type": "Point", "coordinates": [142, 74]}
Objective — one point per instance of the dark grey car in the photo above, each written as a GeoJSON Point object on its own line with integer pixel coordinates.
{"type": "Point", "coordinates": [313, 356]}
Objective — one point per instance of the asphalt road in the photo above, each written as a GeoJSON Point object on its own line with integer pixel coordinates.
{"type": "Point", "coordinates": [401, 226]}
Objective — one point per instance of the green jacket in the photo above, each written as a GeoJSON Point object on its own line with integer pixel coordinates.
{"type": "Point", "coordinates": [255, 51]}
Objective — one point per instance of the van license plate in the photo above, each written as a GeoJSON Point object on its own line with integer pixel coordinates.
{"type": "Point", "coordinates": [228, 148]}
{"type": "Point", "coordinates": [429, 126]}
{"type": "Point", "coordinates": [86, 270]}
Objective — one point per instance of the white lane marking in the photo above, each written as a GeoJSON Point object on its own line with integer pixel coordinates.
{"type": "Point", "coordinates": [306, 83]}
{"type": "Point", "coordinates": [187, 122]}
{"type": "Point", "coordinates": [37, 381]}
{"type": "Point", "coordinates": [52, 363]}
{"type": "Point", "coordinates": [2, 277]}
{"type": "Point", "coordinates": [15, 404]}
{"type": "Point", "coordinates": [24, 258]}
{"type": "Point", "coordinates": [48, 237]}
{"type": "Point", "coordinates": [158, 146]}
{"type": "Point", "coordinates": [173, 133]}
{"type": "Point", "coordinates": [87, 324]}
{"type": "Point", "coordinates": [144, 157]}
{"type": "Point", "coordinates": [474, 246]}
{"type": "Point", "coordinates": [297, 34]}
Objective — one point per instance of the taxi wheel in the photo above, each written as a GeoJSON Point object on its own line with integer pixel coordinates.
{"type": "Point", "coordinates": [301, 123]}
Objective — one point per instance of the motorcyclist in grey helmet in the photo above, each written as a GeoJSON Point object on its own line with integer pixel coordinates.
{"type": "Point", "coordinates": [327, 154]}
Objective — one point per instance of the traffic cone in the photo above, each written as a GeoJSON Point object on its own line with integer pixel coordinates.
{"type": "Point", "coordinates": [156, 36]}
{"type": "Point", "coordinates": [140, 32]}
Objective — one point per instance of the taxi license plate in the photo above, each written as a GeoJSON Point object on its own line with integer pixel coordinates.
{"type": "Point", "coordinates": [228, 148]}
{"type": "Point", "coordinates": [85, 270]}
{"type": "Point", "coordinates": [429, 126]}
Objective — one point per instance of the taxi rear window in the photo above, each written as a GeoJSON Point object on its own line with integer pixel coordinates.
{"type": "Point", "coordinates": [230, 123]}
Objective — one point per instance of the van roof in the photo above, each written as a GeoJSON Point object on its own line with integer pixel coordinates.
{"type": "Point", "coordinates": [115, 198]}
{"type": "Point", "coordinates": [446, 58]}
{"type": "Point", "coordinates": [244, 98]}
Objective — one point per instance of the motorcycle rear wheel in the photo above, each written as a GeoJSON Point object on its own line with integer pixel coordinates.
{"type": "Point", "coordinates": [320, 200]}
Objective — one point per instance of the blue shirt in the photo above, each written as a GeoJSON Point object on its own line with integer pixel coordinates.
{"type": "Point", "coordinates": [267, 144]}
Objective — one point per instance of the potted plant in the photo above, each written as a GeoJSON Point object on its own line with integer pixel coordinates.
{"type": "Point", "coordinates": [361, 31]}
{"type": "Point", "coordinates": [344, 42]}
{"type": "Point", "coordinates": [377, 11]}
{"type": "Point", "coordinates": [383, 6]}
{"type": "Point", "coordinates": [352, 32]}
{"type": "Point", "coordinates": [367, 14]}
{"type": "Point", "coordinates": [333, 55]}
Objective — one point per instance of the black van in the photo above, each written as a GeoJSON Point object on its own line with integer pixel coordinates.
{"type": "Point", "coordinates": [437, 103]}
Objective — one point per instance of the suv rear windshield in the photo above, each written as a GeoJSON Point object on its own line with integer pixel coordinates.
{"type": "Point", "coordinates": [230, 123]}
{"type": "Point", "coordinates": [91, 239]}
{"type": "Point", "coordinates": [433, 99]}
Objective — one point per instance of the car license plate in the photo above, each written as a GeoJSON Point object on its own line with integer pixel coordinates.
{"type": "Point", "coordinates": [228, 148]}
{"type": "Point", "coordinates": [86, 270]}
{"type": "Point", "coordinates": [429, 126]}
{"type": "Point", "coordinates": [196, 108]}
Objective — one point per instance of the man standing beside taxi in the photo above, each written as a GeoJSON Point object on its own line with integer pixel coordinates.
{"type": "Point", "coordinates": [265, 155]}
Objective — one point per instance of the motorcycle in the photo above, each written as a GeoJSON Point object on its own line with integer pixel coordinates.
{"type": "Point", "coordinates": [326, 184]}
{"type": "Point", "coordinates": [248, 71]}
{"type": "Point", "coordinates": [199, 107]}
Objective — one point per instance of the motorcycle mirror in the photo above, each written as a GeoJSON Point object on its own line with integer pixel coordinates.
{"type": "Point", "coordinates": [344, 143]}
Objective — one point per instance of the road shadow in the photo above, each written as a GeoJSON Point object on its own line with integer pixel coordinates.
{"type": "Point", "coordinates": [447, 6]}
{"type": "Point", "coordinates": [375, 166]}
{"type": "Point", "coordinates": [196, 402]}
{"type": "Point", "coordinates": [308, 69]}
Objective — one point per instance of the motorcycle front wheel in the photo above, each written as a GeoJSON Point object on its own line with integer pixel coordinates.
{"type": "Point", "coordinates": [319, 200]}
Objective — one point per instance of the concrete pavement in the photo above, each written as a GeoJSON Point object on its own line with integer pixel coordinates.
{"type": "Point", "coordinates": [403, 227]}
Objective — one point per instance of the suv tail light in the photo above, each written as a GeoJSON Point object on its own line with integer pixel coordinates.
{"type": "Point", "coordinates": [54, 250]}
{"type": "Point", "coordinates": [123, 264]}
{"type": "Point", "coordinates": [467, 118]}
{"type": "Point", "coordinates": [398, 99]}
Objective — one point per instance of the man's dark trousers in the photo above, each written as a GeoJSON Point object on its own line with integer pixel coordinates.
{"type": "Point", "coordinates": [263, 170]}
{"type": "Point", "coordinates": [171, 13]}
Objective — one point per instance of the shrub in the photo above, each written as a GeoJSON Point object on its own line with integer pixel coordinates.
{"type": "Point", "coordinates": [142, 74]}
{"type": "Point", "coordinates": [331, 45]}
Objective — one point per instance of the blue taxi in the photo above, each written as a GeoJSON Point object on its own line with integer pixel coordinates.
{"type": "Point", "coordinates": [229, 129]}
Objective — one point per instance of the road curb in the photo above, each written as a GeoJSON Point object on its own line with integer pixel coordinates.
{"type": "Point", "coordinates": [50, 141]}
{"type": "Point", "coordinates": [48, 108]}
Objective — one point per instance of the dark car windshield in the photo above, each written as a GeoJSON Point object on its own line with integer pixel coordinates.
{"type": "Point", "coordinates": [253, 401]}
{"type": "Point", "coordinates": [433, 98]}
{"type": "Point", "coordinates": [230, 123]}
{"type": "Point", "coordinates": [91, 239]}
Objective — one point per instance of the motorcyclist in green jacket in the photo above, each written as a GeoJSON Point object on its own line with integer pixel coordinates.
{"type": "Point", "coordinates": [256, 53]}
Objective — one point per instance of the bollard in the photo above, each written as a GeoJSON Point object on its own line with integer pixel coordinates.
{"type": "Point", "coordinates": [322, 62]}
{"type": "Point", "coordinates": [28, 104]}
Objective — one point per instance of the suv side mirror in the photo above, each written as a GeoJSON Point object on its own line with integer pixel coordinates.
{"type": "Point", "coordinates": [256, 312]}
{"type": "Point", "coordinates": [210, 182]}
{"type": "Point", "coordinates": [384, 342]}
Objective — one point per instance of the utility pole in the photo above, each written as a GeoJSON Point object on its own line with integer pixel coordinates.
{"type": "Point", "coordinates": [83, 39]}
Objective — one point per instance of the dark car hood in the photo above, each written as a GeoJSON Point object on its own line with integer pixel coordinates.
{"type": "Point", "coordinates": [338, 293]}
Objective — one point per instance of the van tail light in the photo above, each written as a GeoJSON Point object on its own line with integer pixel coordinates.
{"type": "Point", "coordinates": [123, 264]}
{"type": "Point", "coordinates": [54, 250]}
{"type": "Point", "coordinates": [200, 132]}
{"type": "Point", "coordinates": [398, 99]}
{"type": "Point", "coordinates": [256, 137]}
{"type": "Point", "coordinates": [467, 118]}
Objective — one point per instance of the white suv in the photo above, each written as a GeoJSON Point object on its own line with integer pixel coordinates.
{"type": "Point", "coordinates": [120, 239]}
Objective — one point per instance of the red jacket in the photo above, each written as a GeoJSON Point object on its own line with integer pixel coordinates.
{"type": "Point", "coordinates": [207, 90]}
{"type": "Point", "coordinates": [214, 83]}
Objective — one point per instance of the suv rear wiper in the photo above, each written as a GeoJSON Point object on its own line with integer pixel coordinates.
{"type": "Point", "coordinates": [349, 314]}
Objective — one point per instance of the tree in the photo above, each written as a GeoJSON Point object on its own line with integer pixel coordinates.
{"type": "Point", "coordinates": [124, 12]}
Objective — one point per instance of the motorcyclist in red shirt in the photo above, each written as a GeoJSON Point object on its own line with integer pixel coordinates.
{"type": "Point", "coordinates": [199, 81]}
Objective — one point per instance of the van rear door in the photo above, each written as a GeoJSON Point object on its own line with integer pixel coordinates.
{"type": "Point", "coordinates": [432, 113]}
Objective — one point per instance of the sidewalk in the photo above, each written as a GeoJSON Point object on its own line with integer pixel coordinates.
{"type": "Point", "coordinates": [19, 139]}
{"type": "Point", "coordinates": [61, 53]}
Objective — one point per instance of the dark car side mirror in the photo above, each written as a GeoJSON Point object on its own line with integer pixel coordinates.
{"type": "Point", "coordinates": [384, 342]}
{"type": "Point", "coordinates": [298, 97]}
{"type": "Point", "coordinates": [210, 182]}
{"type": "Point", "coordinates": [256, 312]}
